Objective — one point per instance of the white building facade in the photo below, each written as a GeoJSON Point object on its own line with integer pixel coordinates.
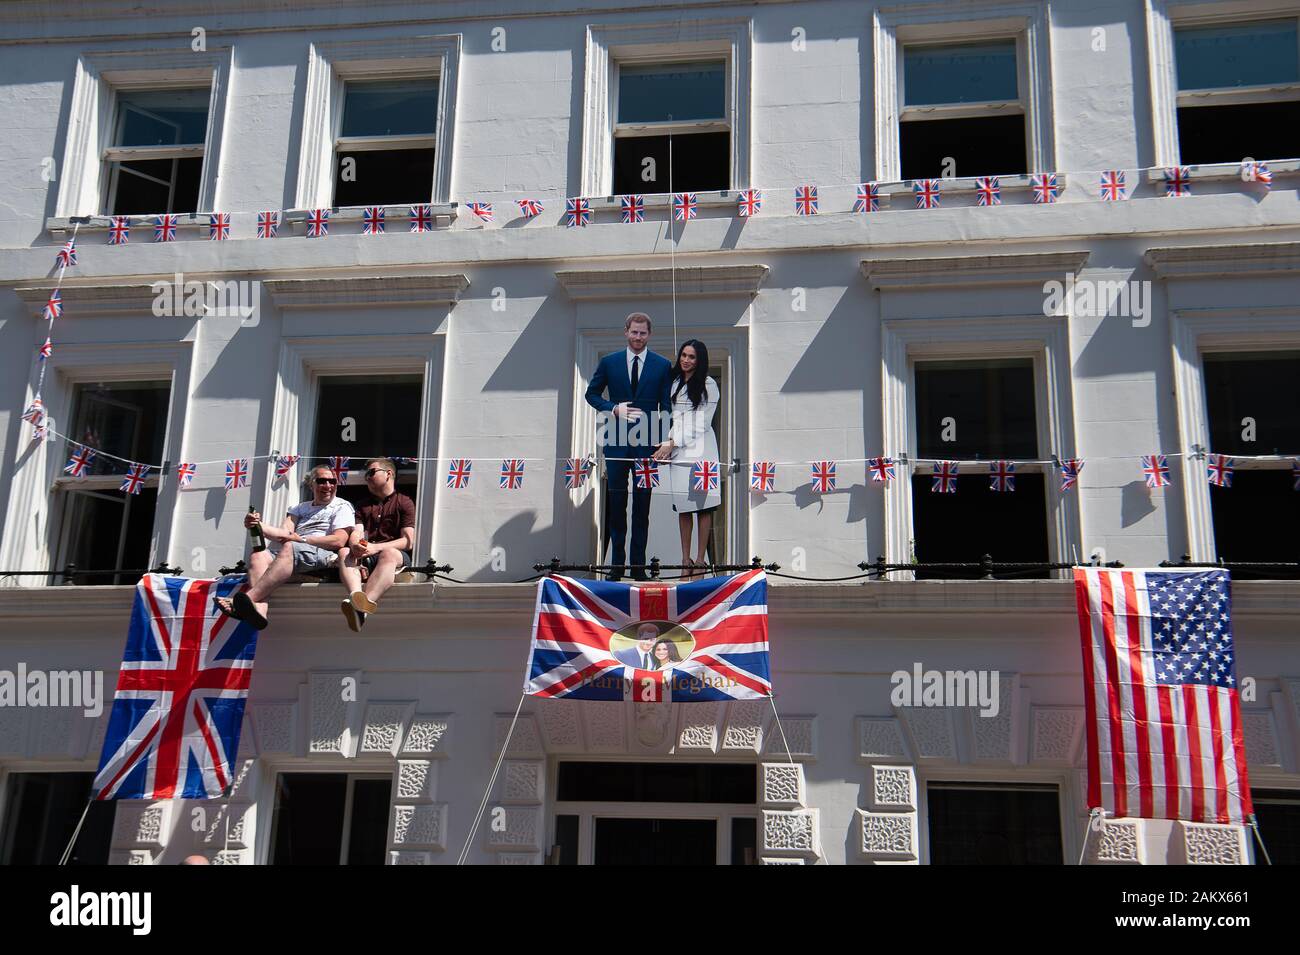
{"type": "Point", "coordinates": [914, 333]}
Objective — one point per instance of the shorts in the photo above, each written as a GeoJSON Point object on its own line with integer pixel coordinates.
{"type": "Point", "coordinates": [370, 562]}
{"type": "Point", "coordinates": [308, 559]}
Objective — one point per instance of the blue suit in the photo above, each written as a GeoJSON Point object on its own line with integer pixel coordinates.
{"type": "Point", "coordinates": [653, 399]}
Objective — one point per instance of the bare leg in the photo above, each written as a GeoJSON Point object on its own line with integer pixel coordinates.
{"type": "Point", "coordinates": [349, 573]}
{"type": "Point", "coordinates": [705, 529]}
{"type": "Point", "coordinates": [381, 578]}
{"type": "Point", "coordinates": [258, 562]}
{"type": "Point", "coordinates": [684, 529]}
{"type": "Point", "coordinates": [281, 569]}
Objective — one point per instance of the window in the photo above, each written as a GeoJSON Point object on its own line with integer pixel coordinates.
{"type": "Point", "coordinates": [968, 411]}
{"type": "Point", "coordinates": [103, 531]}
{"type": "Point", "coordinates": [385, 147]}
{"type": "Point", "coordinates": [1238, 91]}
{"type": "Point", "coordinates": [1253, 408]}
{"type": "Point", "coordinates": [155, 159]}
{"type": "Point", "coordinates": [994, 824]}
{"type": "Point", "coordinates": [41, 814]}
{"type": "Point", "coordinates": [686, 100]}
{"type": "Point", "coordinates": [330, 819]}
{"type": "Point", "coordinates": [961, 112]}
{"type": "Point", "coordinates": [1278, 813]}
{"type": "Point", "coordinates": [360, 417]}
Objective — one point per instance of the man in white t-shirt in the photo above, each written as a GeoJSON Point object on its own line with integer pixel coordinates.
{"type": "Point", "coordinates": [314, 531]}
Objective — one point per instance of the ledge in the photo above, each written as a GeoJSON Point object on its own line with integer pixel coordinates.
{"type": "Point", "coordinates": [1206, 261]}
{"type": "Point", "coordinates": [368, 290]}
{"type": "Point", "coordinates": [87, 301]}
{"type": "Point", "coordinates": [692, 281]}
{"type": "Point", "coordinates": [1030, 268]}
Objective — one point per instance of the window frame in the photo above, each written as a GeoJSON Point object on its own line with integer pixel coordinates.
{"type": "Point", "coordinates": [1070, 805]}
{"type": "Point", "coordinates": [265, 837]}
{"type": "Point", "coordinates": [114, 156]}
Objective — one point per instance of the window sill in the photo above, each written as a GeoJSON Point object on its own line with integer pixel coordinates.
{"type": "Point", "coordinates": [1224, 171]}
{"type": "Point", "coordinates": [396, 216]}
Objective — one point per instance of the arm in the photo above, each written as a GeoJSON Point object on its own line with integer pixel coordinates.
{"type": "Point", "coordinates": [405, 542]}
{"type": "Point", "coordinates": [596, 389]}
{"type": "Point", "coordinates": [282, 533]}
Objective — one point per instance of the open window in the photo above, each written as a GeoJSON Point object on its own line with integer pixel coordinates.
{"type": "Point", "coordinates": [40, 815]}
{"type": "Point", "coordinates": [363, 416]}
{"type": "Point", "coordinates": [1278, 814]}
{"type": "Point", "coordinates": [155, 156]}
{"type": "Point", "coordinates": [386, 142]}
{"type": "Point", "coordinates": [330, 819]}
{"type": "Point", "coordinates": [994, 824]}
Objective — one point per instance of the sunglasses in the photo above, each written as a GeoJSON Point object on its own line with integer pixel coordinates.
{"type": "Point", "coordinates": [326, 481]}
{"type": "Point", "coordinates": [373, 471]}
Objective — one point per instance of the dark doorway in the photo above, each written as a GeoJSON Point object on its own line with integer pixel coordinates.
{"type": "Point", "coordinates": [656, 842]}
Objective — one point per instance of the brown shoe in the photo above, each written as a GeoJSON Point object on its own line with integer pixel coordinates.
{"type": "Point", "coordinates": [362, 602]}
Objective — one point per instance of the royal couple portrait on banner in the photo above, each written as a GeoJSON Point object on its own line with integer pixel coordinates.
{"type": "Point", "coordinates": [657, 412]}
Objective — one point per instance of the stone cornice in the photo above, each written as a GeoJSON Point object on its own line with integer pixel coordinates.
{"type": "Point", "coordinates": [1028, 268]}
{"type": "Point", "coordinates": [1204, 261]}
{"type": "Point", "coordinates": [368, 290]}
{"type": "Point", "coordinates": [692, 281]}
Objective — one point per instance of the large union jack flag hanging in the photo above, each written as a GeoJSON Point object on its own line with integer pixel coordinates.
{"type": "Point", "coordinates": [174, 727]}
{"type": "Point", "coordinates": [710, 640]}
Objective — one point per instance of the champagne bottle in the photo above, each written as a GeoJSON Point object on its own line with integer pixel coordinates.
{"type": "Point", "coordinates": [255, 534]}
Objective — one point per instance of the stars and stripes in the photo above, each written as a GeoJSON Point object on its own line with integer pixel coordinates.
{"type": "Point", "coordinates": [1002, 476]}
{"type": "Point", "coordinates": [685, 206]}
{"type": "Point", "coordinates": [174, 727]}
{"type": "Point", "coordinates": [164, 228]}
{"type": "Point", "coordinates": [46, 350]}
{"type": "Point", "coordinates": [1178, 181]}
{"type": "Point", "coordinates": [1044, 187]}
{"type": "Point", "coordinates": [1164, 729]}
{"type": "Point", "coordinates": [318, 223]}
{"type": "Point", "coordinates": [988, 191]}
{"type": "Point", "coordinates": [284, 464]}
{"type": "Point", "coordinates": [236, 473]}
{"type": "Point", "coordinates": [79, 461]}
{"type": "Point", "coordinates": [483, 210]}
{"type": "Point", "coordinates": [867, 198]}
{"type": "Point", "coordinates": [1156, 469]}
{"type": "Point", "coordinates": [136, 475]}
{"type": "Point", "coordinates": [805, 200]}
{"type": "Point", "coordinates": [944, 479]}
{"type": "Point", "coordinates": [1219, 470]}
{"type": "Point", "coordinates": [339, 464]}
{"type": "Point", "coordinates": [1070, 469]}
{"type": "Point", "coordinates": [219, 226]}
{"type": "Point", "coordinates": [458, 472]}
{"type": "Point", "coordinates": [421, 218]}
{"type": "Point", "coordinates": [576, 471]}
{"type": "Point", "coordinates": [67, 255]}
{"type": "Point", "coordinates": [646, 473]}
{"type": "Point", "coordinates": [577, 213]}
{"type": "Point", "coordinates": [372, 220]}
{"type": "Point", "coordinates": [185, 474]}
{"type": "Point", "coordinates": [881, 469]}
{"type": "Point", "coordinates": [119, 230]}
{"type": "Point", "coordinates": [530, 208]}
{"type": "Point", "coordinates": [926, 192]}
{"type": "Point", "coordinates": [1259, 172]}
{"type": "Point", "coordinates": [823, 476]}
{"type": "Point", "coordinates": [633, 209]}
{"type": "Point", "coordinates": [268, 224]}
{"type": "Point", "coordinates": [749, 202]}
{"type": "Point", "coordinates": [704, 476]}
{"type": "Point", "coordinates": [1112, 185]}
{"type": "Point", "coordinates": [512, 474]}
{"type": "Point", "coordinates": [53, 306]}
{"type": "Point", "coordinates": [762, 476]}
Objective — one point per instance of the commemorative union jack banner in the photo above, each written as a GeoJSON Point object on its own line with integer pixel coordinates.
{"type": "Point", "coordinates": [805, 200]}
{"type": "Point", "coordinates": [1219, 470]}
{"type": "Point", "coordinates": [531, 208]}
{"type": "Point", "coordinates": [284, 464]}
{"type": "Point", "coordinates": [633, 209]}
{"type": "Point", "coordinates": [647, 473]}
{"type": "Point", "coordinates": [867, 198]}
{"type": "Point", "coordinates": [1002, 476]}
{"type": "Point", "coordinates": [53, 307]}
{"type": "Point", "coordinates": [685, 206]}
{"type": "Point", "coordinates": [318, 223]}
{"type": "Point", "coordinates": [512, 474]}
{"type": "Point", "coordinates": [1045, 187]}
{"type": "Point", "coordinates": [174, 727]}
{"type": "Point", "coordinates": [1178, 181]}
{"type": "Point", "coordinates": [219, 226]}
{"type": "Point", "coordinates": [164, 228]}
{"type": "Point", "coordinates": [421, 218]}
{"type": "Point", "coordinates": [67, 255]}
{"type": "Point", "coordinates": [585, 647]}
{"type": "Point", "coordinates": [882, 469]}
{"type": "Point", "coordinates": [185, 472]}
{"type": "Point", "coordinates": [762, 477]}
{"type": "Point", "coordinates": [1156, 469]}
{"type": "Point", "coordinates": [1112, 185]}
{"type": "Point", "coordinates": [339, 465]}
{"type": "Point", "coordinates": [458, 472]}
{"type": "Point", "coordinates": [136, 475]}
{"type": "Point", "coordinates": [268, 224]}
{"type": "Point", "coordinates": [823, 476]}
{"type": "Point", "coordinates": [236, 473]}
{"type": "Point", "coordinates": [372, 220]}
{"type": "Point", "coordinates": [79, 460]}
{"type": "Point", "coordinates": [577, 213]}
{"type": "Point", "coordinates": [749, 202]}
{"type": "Point", "coordinates": [926, 192]}
{"type": "Point", "coordinates": [704, 476]}
{"type": "Point", "coordinates": [988, 191]}
{"type": "Point", "coordinates": [576, 471]}
{"type": "Point", "coordinates": [944, 479]}
{"type": "Point", "coordinates": [1070, 469]}
{"type": "Point", "coordinates": [482, 209]}
{"type": "Point", "coordinates": [119, 230]}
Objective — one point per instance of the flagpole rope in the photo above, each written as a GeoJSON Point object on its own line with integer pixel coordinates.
{"type": "Point", "coordinates": [487, 793]}
{"type": "Point", "coordinates": [63, 860]}
{"type": "Point", "coordinates": [788, 755]}
{"type": "Point", "coordinates": [1094, 813]}
{"type": "Point", "coordinates": [672, 238]}
{"type": "Point", "coordinates": [1254, 827]}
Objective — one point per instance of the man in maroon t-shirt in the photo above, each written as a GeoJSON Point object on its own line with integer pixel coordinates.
{"type": "Point", "coordinates": [382, 541]}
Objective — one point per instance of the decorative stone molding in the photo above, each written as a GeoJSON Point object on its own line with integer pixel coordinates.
{"type": "Point", "coordinates": [384, 725]}
{"type": "Point", "coordinates": [776, 861]}
{"type": "Point", "coordinates": [888, 835]}
{"type": "Point", "coordinates": [398, 857]}
{"type": "Point", "coordinates": [744, 730]}
{"type": "Point", "coordinates": [1024, 268]}
{"type": "Point", "coordinates": [893, 788]}
{"type": "Point", "coordinates": [13, 731]}
{"type": "Point", "coordinates": [240, 818]}
{"type": "Point", "coordinates": [130, 857]}
{"type": "Point", "coordinates": [367, 291]}
{"type": "Point", "coordinates": [995, 737]}
{"type": "Point", "coordinates": [420, 827]}
{"type": "Point", "coordinates": [637, 283]}
{"type": "Point", "coordinates": [1118, 841]}
{"type": "Point", "coordinates": [561, 729]}
{"type": "Point", "coordinates": [526, 741]}
{"type": "Point", "coordinates": [604, 727]}
{"type": "Point", "coordinates": [519, 858]}
{"type": "Point", "coordinates": [242, 789]}
{"type": "Point", "coordinates": [417, 780]}
{"type": "Point", "coordinates": [651, 723]}
{"type": "Point", "coordinates": [783, 785]}
{"type": "Point", "coordinates": [522, 828]}
{"type": "Point", "coordinates": [931, 731]}
{"type": "Point", "coordinates": [233, 857]}
{"type": "Point", "coordinates": [428, 735]}
{"type": "Point", "coordinates": [698, 731]}
{"type": "Point", "coordinates": [880, 738]}
{"type": "Point", "coordinates": [1212, 844]}
{"type": "Point", "coordinates": [523, 781]}
{"type": "Point", "coordinates": [1057, 733]}
{"type": "Point", "coordinates": [800, 734]}
{"type": "Point", "coordinates": [334, 705]}
{"type": "Point", "coordinates": [141, 824]}
{"type": "Point", "coordinates": [1262, 747]}
{"type": "Point", "coordinates": [1207, 261]}
{"type": "Point", "coordinates": [94, 301]}
{"type": "Point", "coordinates": [275, 727]}
{"type": "Point", "coordinates": [796, 832]}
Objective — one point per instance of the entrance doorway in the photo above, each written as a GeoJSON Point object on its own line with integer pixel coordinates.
{"type": "Point", "coordinates": [656, 842]}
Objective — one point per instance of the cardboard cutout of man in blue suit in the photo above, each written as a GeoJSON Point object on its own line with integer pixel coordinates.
{"type": "Point", "coordinates": [637, 382]}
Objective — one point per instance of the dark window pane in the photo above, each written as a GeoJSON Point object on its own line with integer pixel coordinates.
{"type": "Point", "coordinates": [960, 73]}
{"type": "Point", "coordinates": [386, 412]}
{"type": "Point", "coordinates": [162, 117]}
{"type": "Point", "coordinates": [385, 177]}
{"type": "Point", "coordinates": [368, 836]}
{"type": "Point", "coordinates": [155, 186]}
{"type": "Point", "coordinates": [986, 825]}
{"type": "Point", "coordinates": [964, 526]}
{"type": "Point", "coordinates": [308, 821]}
{"type": "Point", "coordinates": [108, 530]}
{"type": "Point", "coordinates": [656, 842]}
{"type": "Point", "coordinates": [124, 418]}
{"type": "Point", "coordinates": [701, 163]}
{"type": "Point", "coordinates": [991, 403]}
{"type": "Point", "coordinates": [1257, 519]}
{"type": "Point", "coordinates": [390, 109]}
{"type": "Point", "coordinates": [1278, 814]}
{"type": "Point", "coordinates": [1210, 134]}
{"type": "Point", "coordinates": [656, 782]}
{"type": "Point", "coordinates": [41, 814]}
{"type": "Point", "coordinates": [681, 93]}
{"type": "Point", "coordinates": [566, 839]}
{"type": "Point", "coordinates": [1256, 385]}
{"type": "Point", "coordinates": [744, 841]}
{"type": "Point", "coordinates": [1246, 54]}
{"type": "Point", "coordinates": [980, 146]}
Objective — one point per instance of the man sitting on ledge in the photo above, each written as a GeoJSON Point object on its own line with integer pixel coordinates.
{"type": "Point", "coordinates": [315, 531]}
{"type": "Point", "coordinates": [380, 543]}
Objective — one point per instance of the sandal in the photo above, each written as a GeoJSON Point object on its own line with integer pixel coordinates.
{"type": "Point", "coordinates": [242, 609]}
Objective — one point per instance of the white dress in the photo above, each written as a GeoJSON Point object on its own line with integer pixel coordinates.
{"type": "Point", "coordinates": [693, 440]}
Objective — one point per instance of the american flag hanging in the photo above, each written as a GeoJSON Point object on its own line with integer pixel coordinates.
{"type": "Point", "coordinates": [1219, 470]}
{"type": "Point", "coordinates": [633, 209]}
{"type": "Point", "coordinates": [823, 476]}
{"type": "Point", "coordinates": [318, 223]}
{"type": "Point", "coordinates": [1002, 476]}
{"type": "Point", "coordinates": [421, 218]}
{"type": "Point", "coordinates": [1044, 187]}
{"type": "Point", "coordinates": [1156, 469]}
{"type": "Point", "coordinates": [284, 464]}
{"type": "Point", "coordinates": [867, 198]}
{"type": "Point", "coordinates": [749, 202]}
{"type": "Point", "coordinates": [881, 469]}
{"type": "Point", "coordinates": [988, 191]}
{"type": "Point", "coordinates": [219, 226]}
{"type": "Point", "coordinates": [268, 224]}
{"type": "Point", "coordinates": [577, 213]}
{"type": "Point", "coordinates": [46, 350]}
{"type": "Point", "coordinates": [512, 474]}
{"type": "Point", "coordinates": [926, 192]}
{"type": "Point", "coordinates": [1178, 181]}
{"type": "Point", "coordinates": [53, 307]}
{"type": "Point", "coordinates": [646, 471]}
{"type": "Point", "coordinates": [944, 480]}
{"type": "Point", "coordinates": [685, 206]}
{"type": "Point", "coordinates": [458, 472]}
{"type": "Point", "coordinates": [79, 461]}
{"type": "Point", "coordinates": [119, 230]}
{"type": "Point", "coordinates": [185, 472]}
{"type": "Point", "coordinates": [164, 228]}
{"type": "Point", "coordinates": [575, 473]}
{"type": "Point", "coordinates": [1070, 473]}
{"type": "Point", "coordinates": [482, 209]}
{"type": "Point", "coordinates": [530, 208]}
{"type": "Point", "coordinates": [762, 476]}
{"type": "Point", "coordinates": [236, 473]}
{"type": "Point", "coordinates": [339, 465]}
{"type": "Point", "coordinates": [1112, 185]}
{"type": "Point", "coordinates": [67, 255]}
{"type": "Point", "coordinates": [372, 220]}
{"type": "Point", "coordinates": [1165, 738]}
{"type": "Point", "coordinates": [805, 200]}
{"type": "Point", "coordinates": [136, 475]}
{"type": "Point", "coordinates": [704, 476]}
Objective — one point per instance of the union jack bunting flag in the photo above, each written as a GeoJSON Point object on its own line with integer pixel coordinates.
{"type": "Point", "coordinates": [944, 480]}
{"type": "Point", "coordinates": [577, 213]}
{"type": "Point", "coordinates": [46, 350]}
{"type": "Point", "coordinates": [421, 218]}
{"type": "Point", "coordinates": [709, 641]}
{"type": "Point", "coordinates": [136, 475]}
{"type": "Point", "coordinates": [988, 191]}
{"type": "Point", "coordinates": [704, 476]}
{"type": "Point", "coordinates": [53, 307]}
{"type": "Point", "coordinates": [749, 202]}
{"type": "Point", "coordinates": [530, 208]}
{"type": "Point", "coordinates": [867, 198]}
{"type": "Point", "coordinates": [119, 230]}
{"type": "Point", "coordinates": [575, 473]}
{"type": "Point", "coordinates": [458, 472]}
{"type": "Point", "coordinates": [284, 464]}
{"type": "Point", "coordinates": [185, 472]}
{"type": "Point", "coordinates": [1044, 187]}
{"type": "Point", "coordinates": [372, 220]}
{"type": "Point", "coordinates": [1112, 185]}
{"type": "Point", "coordinates": [236, 473]}
{"type": "Point", "coordinates": [881, 469]}
{"type": "Point", "coordinates": [512, 474]}
{"type": "Point", "coordinates": [67, 255]}
{"type": "Point", "coordinates": [805, 200]}
{"type": "Point", "coordinates": [762, 476]}
{"type": "Point", "coordinates": [685, 206]}
{"type": "Point", "coordinates": [1002, 476]}
{"type": "Point", "coordinates": [1257, 172]}
{"type": "Point", "coordinates": [339, 465]}
{"type": "Point", "coordinates": [1178, 181]}
{"type": "Point", "coordinates": [647, 473]}
{"type": "Point", "coordinates": [35, 412]}
{"type": "Point", "coordinates": [1295, 474]}
{"type": "Point", "coordinates": [219, 226]}
{"type": "Point", "coordinates": [164, 228]}
{"type": "Point", "coordinates": [823, 476]}
{"type": "Point", "coordinates": [174, 727]}
{"type": "Point", "coordinates": [1070, 473]}
{"type": "Point", "coordinates": [1156, 469]}
{"type": "Point", "coordinates": [482, 209]}
{"type": "Point", "coordinates": [633, 209]}
{"type": "Point", "coordinates": [926, 192]}
{"type": "Point", "coordinates": [1165, 738]}
{"type": "Point", "coordinates": [268, 224]}
{"type": "Point", "coordinates": [1219, 470]}
{"type": "Point", "coordinates": [79, 461]}
{"type": "Point", "coordinates": [318, 223]}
